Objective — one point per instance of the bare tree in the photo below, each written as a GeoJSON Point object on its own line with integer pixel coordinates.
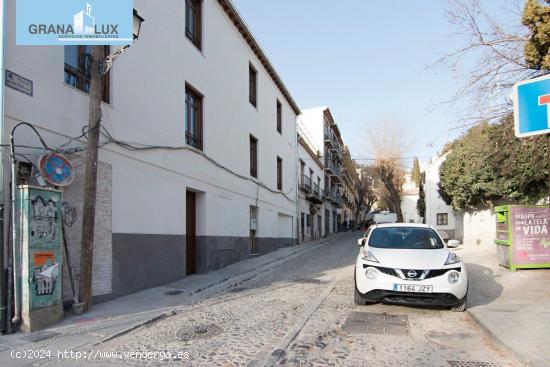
{"type": "Point", "coordinates": [495, 48]}
{"type": "Point", "coordinates": [366, 190]}
{"type": "Point", "coordinates": [388, 144]}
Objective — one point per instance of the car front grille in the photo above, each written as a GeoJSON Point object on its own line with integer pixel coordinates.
{"type": "Point", "coordinates": [418, 276]}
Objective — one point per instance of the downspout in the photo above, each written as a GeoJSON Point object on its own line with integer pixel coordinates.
{"type": "Point", "coordinates": [296, 183]}
{"type": "Point", "coordinates": [3, 247]}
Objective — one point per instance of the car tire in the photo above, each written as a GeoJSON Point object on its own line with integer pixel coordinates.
{"type": "Point", "coordinates": [360, 299]}
{"type": "Point", "coordinates": [461, 306]}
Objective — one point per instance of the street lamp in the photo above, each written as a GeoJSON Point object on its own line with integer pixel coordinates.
{"type": "Point", "coordinates": [137, 24]}
{"type": "Point", "coordinates": [107, 63]}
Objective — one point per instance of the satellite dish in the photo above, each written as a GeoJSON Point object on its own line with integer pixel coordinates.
{"type": "Point", "coordinates": [56, 169]}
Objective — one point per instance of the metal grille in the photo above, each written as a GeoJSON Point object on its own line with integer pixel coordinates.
{"type": "Point", "coordinates": [199, 332]}
{"type": "Point", "coordinates": [439, 272]}
{"type": "Point", "coordinates": [173, 293]}
{"type": "Point", "coordinates": [376, 323]}
{"type": "Point", "coordinates": [40, 335]}
{"type": "Point", "coordinates": [471, 364]}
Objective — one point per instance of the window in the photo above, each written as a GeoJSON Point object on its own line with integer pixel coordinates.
{"type": "Point", "coordinates": [252, 85]}
{"type": "Point", "coordinates": [253, 156]}
{"type": "Point", "coordinates": [302, 168]}
{"type": "Point", "coordinates": [279, 117]}
{"type": "Point", "coordinates": [193, 118]}
{"type": "Point", "coordinates": [442, 219]}
{"type": "Point", "coordinates": [279, 173]}
{"type": "Point", "coordinates": [77, 72]}
{"type": "Point", "coordinates": [193, 21]}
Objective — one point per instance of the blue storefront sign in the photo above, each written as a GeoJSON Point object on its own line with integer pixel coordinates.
{"type": "Point", "coordinates": [70, 22]}
{"type": "Point", "coordinates": [532, 106]}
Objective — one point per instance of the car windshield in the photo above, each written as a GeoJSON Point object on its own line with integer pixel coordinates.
{"type": "Point", "coordinates": [405, 238]}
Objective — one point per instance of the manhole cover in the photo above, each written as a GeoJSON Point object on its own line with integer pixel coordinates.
{"type": "Point", "coordinates": [199, 332]}
{"type": "Point", "coordinates": [40, 335]}
{"type": "Point", "coordinates": [173, 293]}
{"type": "Point", "coordinates": [471, 364]}
{"type": "Point", "coordinates": [237, 290]}
{"type": "Point", "coordinates": [376, 323]}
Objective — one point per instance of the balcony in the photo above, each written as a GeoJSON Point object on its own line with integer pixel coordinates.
{"type": "Point", "coordinates": [305, 185]}
{"type": "Point", "coordinates": [337, 199]}
{"type": "Point", "coordinates": [315, 196]}
{"type": "Point", "coordinates": [333, 169]}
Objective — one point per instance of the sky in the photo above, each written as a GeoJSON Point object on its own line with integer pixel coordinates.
{"type": "Point", "coordinates": [368, 61]}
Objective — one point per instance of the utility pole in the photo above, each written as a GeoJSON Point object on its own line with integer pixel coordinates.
{"type": "Point", "coordinates": [90, 180]}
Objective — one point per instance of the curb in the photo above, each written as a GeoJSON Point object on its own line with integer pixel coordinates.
{"type": "Point", "coordinates": [497, 340]}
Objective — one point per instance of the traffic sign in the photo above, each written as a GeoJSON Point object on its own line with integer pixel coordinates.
{"type": "Point", "coordinates": [532, 106]}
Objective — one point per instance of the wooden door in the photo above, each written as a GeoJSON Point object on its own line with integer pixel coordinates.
{"type": "Point", "coordinates": [191, 232]}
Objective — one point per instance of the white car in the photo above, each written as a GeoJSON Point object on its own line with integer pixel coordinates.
{"type": "Point", "coordinates": [409, 264]}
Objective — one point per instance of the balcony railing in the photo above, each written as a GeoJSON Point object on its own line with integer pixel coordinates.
{"type": "Point", "coordinates": [306, 184]}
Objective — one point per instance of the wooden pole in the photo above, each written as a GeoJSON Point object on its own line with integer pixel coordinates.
{"type": "Point", "coordinates": [90, 180]}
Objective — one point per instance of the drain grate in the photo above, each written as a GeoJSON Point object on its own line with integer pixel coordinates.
{"type": "Point", "coordinates": [173, 293]}
{"type": "Point", "coordinates": [40, 335]}
{"type": "Point", "coordinates": [237, 290]}
{"type": "Point", "coordinates": [376, 323]}
{"type": "Point", "coordinates": [471, 364]}
{"type": "Point", "coordinates": [199, 332]}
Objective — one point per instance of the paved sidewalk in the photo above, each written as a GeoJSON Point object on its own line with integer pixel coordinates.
{"type": "Point", "coordinates": [514, 307]}
{"type": "Point", "coordinates": [110, 319]}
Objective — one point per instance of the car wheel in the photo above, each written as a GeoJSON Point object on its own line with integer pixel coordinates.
{"type": "Point", "coordinates": [460, 307]}
{"type": "Point", "coordinates": [360, 299]}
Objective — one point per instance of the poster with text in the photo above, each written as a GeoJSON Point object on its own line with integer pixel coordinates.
{"type": "Point", "coordinates": [530, 227]}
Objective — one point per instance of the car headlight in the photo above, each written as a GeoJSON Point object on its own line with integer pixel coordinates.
{"type": "Point", "coordinates": [369, 256]}
{"type": "Point", "coordinates": [452, 259]}
{"type": "Point", "coordinates": [371, 273]}
{"type": "Point", "coordinates": [453, 277]}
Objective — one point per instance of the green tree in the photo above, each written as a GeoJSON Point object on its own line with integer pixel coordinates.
{"type": "Point", "coordinates": [490, 164]}
{"type": "Point", "coordinates": [415, 173]}
{"type": "Point", "coordinates": [536, 17]}
{"type": "Point", "coordinates": [421, 202]}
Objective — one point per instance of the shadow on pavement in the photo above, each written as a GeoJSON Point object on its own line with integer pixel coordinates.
{"type": "Point", "coordinates": [482, 288]}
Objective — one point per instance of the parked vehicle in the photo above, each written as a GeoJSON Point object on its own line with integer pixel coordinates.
{"type": "Point", "coordinates": [380, 218]}
{"type": "Point", "coordinates": [409, 264]}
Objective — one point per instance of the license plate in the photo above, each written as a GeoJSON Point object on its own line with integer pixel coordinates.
{"type": "Point", "coordinates": [416, 288]}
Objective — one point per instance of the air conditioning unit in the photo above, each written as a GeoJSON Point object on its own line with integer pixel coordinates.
{"type": "Point", "coordinates": [253, 224]}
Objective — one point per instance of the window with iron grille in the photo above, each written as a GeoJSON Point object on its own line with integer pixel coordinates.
{"type": "Point", "coordinates": [193, 21]}
{"type": "Point", "coordinates": [279, 117]}
{"type": "Point", "coordinates": [279, 173]}
{"type": "Point", "coordinates": [442, 219]}
{"type": "Point", "coordinates": [193, 118]}
{"type": "Point", "coordinates": [253, 156]}
{"type": "Point", "coordinates": [78, 66]}
{"type": "Point", "coordinates": [252, 85]}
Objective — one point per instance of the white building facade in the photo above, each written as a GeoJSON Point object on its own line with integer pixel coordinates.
{"type": "Point", "coordinates": [438, 214]}
{"type": "Point", "coordinates": [325, 134]}
{"type": "Point", "coordinates": [206, 87]}
{"type": "Point", "coordinates": [311, 193]}
{"type": "Point", "coordinates": [409, 200]}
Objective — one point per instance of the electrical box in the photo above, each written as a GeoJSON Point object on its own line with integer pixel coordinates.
{"type": "Point", "coordinates": [253, 224]}
{"type": "Point", "coordinates": [39, 240]}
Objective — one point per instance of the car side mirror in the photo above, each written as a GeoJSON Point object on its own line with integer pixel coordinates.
{"type": "Point", "coordinates": [361, 242]}
{"type": "Point", "coordinates": [453, 243]}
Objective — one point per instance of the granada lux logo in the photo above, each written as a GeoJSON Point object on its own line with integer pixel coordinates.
{"type": "Point", "coordinates": [83, 24]}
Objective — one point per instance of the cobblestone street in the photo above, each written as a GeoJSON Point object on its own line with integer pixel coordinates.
{"type": "Point", "coordinates": [302, 314]}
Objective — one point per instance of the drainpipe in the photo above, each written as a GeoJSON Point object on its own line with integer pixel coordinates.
{"type": "Point", "coordinates": [3, 270]}
{"type": "Point", "coordinates": [296, 183]}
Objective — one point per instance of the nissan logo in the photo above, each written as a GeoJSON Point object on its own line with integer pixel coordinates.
{"type": "Point", "coordinates": [411, 274]}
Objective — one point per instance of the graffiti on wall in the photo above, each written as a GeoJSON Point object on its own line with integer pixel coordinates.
{"type": "Point", "coordinates": [44, 218]}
